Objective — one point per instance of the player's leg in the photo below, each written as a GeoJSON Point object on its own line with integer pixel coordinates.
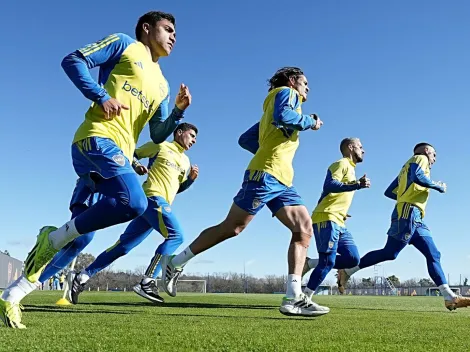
{"type": "Point", "coordinates": [113, 177]}
{"type": "Point", "coordinates": [348, 254]}
{"type": "Point", "coordinates": [82, 198]}
{"type": "Point", "coordinates": [137, 231]}
{"type": "Point", "coordinates": [327, 235]}
{"type": "Point", "coordinates": [160, 215]}
{"type": "Point", "coordinates": [423, 241]}
{"type": "Point", "coordinates": [399, 234]}
{"type": "Point", "coordinates": [255, 192]}
{"type": "Point", "coordinates": [288, 207]}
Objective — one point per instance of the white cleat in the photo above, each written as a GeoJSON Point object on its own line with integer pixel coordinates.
{"type": "Point", "coordinates": [170, 275]}
{"type": "Point", "coordinates": [302, 306]}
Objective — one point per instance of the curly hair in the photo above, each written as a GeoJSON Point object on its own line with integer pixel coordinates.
{"type": "Point", "coordinates": [282, 76]}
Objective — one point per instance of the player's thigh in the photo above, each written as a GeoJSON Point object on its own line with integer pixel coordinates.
{"type": "Point", "coordinates": [258, 188]}
{"type": "Point", "coordinates": [403, 227]}
{"type": "Point", "coordinates": [236, 220]}
{"type": "Point", "coordinates": [327, 236]}
{"type": "Point", "coordinates": [346, 245]}
{"type": "Point", "coordinates": [289, 208]}
{"type": "Point", "coordinates": [423, 241]}
{"type": "Point", "coordinates": [162, 218]}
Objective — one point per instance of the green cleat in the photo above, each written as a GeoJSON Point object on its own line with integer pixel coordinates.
{"type": "Point", "coordinates": [10, 314]}
{"type": "Point", "coordinates": [41, 254]}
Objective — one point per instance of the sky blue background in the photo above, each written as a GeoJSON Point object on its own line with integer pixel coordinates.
{"type": "Point", "coordinates": [392, 73]}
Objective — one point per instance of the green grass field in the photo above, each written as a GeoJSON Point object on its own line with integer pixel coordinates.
{"type": "Point", "coordinates": [117, 321]}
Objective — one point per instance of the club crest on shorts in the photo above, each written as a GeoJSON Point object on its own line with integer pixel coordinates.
{"type": "Point", "coordinates": [167, 209]}
{"type": "Point", "coordinates": [119, 159]}
{"type": "Point", "coordinates": [256, 203]}
{"type": "Point", "coordinates": [407, 236]}
{"type": "Point", "coordinates": [331, 244]}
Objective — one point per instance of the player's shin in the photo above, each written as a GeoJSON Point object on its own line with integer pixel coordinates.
{"type": "Point", "coordinates": [19, 289]}
{"type": "Point", "coordinates": [296, 259]}
{"type": "Point", "coordinates": [207, 239]}
{"type": "Point", "coordinates": [326, 262]}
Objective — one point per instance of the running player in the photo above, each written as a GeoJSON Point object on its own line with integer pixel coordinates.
{"type": "Point", "coordinates": [170, 172]}
{"type": "Point", "coordinates": [411, 191]}
{"type": "Point", "coordinates": [129, 91]}
{"type": "Point", "coordinates": [267, 181]}
{"type": "Point", "coordinates": [328, 218]}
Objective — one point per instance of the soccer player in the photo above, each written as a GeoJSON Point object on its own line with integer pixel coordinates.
{"type": "Point", "coordinates": [131, 91]}
{"type": "Point", "coordinates": [170, 172]}
{"type": "Point", "coordinates": [267, 181]}
{"type": "Point", "coordinates": [411, 191]}
{"type": "Point", "coordinates": [328, 218]}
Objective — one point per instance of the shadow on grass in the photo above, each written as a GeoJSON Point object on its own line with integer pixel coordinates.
{"type": "Point", "coordinates": [180, 305]}
{"type": "Point", "coordinates": [47, 309]}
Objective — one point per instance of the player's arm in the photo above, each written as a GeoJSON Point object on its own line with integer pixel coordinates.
{"type": "Point", "coordinates": [417, 175]}
{"type": "Point", "coordinates": [148, 150]}
{"type": "Point", "coordinates": [249, 140]}
{"type": "Point", "coordinates": [285, 104]}
{"type": "Point", "coordinates": [192, 176]}
{"type": "Point", "coordinates": [391, 191]}
{"type": "Point", "coordinates": [106, 52]}
{"type": "Point", "coordinates": [334, 175]}
{"type": "Point", "coordinates": [162, 124]}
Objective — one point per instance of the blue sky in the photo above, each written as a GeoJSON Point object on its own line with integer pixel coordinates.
{"type": "Point", "coordinates": [392, 73]}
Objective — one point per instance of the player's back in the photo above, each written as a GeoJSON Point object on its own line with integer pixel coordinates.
{"type": "Point", "coordinates": [277, 144]}
{"type": "Point", "coordinates": [168, 168]}
{"type": "Point", "coordinates": [334, 206]}
{"type": "Point", "coordinates": [408, 191]}
{"type": "Point", "coordinates": [130, 76]}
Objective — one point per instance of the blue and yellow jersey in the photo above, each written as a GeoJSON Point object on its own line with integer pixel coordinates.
{"type": "Point", "coordinates": [128, 74]}
{"type": "Point", "coordinates": [338, 192]}
{"type": "Point", "coordinates": [413, 184]}
{"type": "Point", "coordinates": [168, 169]}
{"type": "Point", "coordinates": [278, 137]}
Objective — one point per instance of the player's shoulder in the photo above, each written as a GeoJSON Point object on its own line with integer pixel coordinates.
{"type": "Point", "coordinates": [123, 37]}
{"type": "Point", "coordinates": [419, 159]}
{"type": "Point", "coordinates": [342, 163]}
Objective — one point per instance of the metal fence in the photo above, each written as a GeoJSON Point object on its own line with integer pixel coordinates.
{"type": "Point", "coordinates": [10, 270]}
{"type": "Point", "coordinates": [401, 291]}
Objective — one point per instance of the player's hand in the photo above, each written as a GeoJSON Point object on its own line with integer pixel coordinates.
{"type": "Point", "coordinates": [443, 186]}
{"type": "Point", "coordinates": [194, 172]}
{"type": "Point", "coordinates": [364, 182]}
{"type": "Point", "coordinates": [183, 99]}
{"type": "Point", "coordinates": [141, 170]}
{"type": "Point", "coordinates": [318, 123]}
{"type": "Point", "coordinates": [112, 108]}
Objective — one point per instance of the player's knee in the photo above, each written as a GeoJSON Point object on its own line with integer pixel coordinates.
{"type": "Point", "coordinates": [302, 238]}
{"type": "Point", "coordinates": [137, 205]}
{"type": "Point", "coordinates": [177, 238]}
{"type": "Point", "coordinates": [354, 260]}
{"type": "Point", "coordinates": [231, 230]}
{"type": "Point", "coordinates": [436, 255]}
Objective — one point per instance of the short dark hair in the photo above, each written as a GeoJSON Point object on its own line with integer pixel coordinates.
{"type": "Point", "coordinates": [282, 76]}
{"type": "Point", "coordinates": [152, 18]}
{"type": "Point", "coordinates": [423, 144]}
{"type": "Point", "coordinates": [183, 127]}
{"type": "Point", "coordinates": [346, 142]}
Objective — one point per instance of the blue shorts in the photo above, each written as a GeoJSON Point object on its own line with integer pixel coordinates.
{"type": "Point", "coordinates": [409, 225]}
{"type": "Point", "coordinates": [83, 194]}
{"type": "Point", "coordinates": [329, 235]}
{"type": "Point", "coordinates": [260, 188]}
{"type": "Point", "coordinates": [101, 156]}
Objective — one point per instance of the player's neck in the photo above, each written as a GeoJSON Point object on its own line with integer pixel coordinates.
{"type": "Point", "coordinates": [154, 59]}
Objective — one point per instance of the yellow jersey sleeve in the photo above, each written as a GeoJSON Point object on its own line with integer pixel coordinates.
{"type": "Point", "coordinates": [148, 150]}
